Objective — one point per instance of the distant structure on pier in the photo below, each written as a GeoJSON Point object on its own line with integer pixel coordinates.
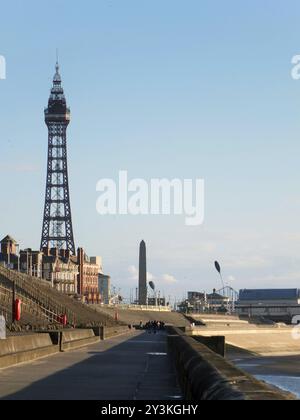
{"type": "Point", "coordinates": [57, 229]}
{"type": "Point", "coordinates": [143, 275]}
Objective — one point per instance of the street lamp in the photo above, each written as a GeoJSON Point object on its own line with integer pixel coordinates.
{"type": "Point", "coordinates": [13, 311]}
{"type": "Point", "coordinates": [218, 268]}
{"type": "Point", "coordinates": [18, 246]}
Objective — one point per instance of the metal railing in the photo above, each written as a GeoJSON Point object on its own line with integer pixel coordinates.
{"type": "Point", "coordinates": [35, 291]}
{"type": "Point", "coordinates": [31, 307]}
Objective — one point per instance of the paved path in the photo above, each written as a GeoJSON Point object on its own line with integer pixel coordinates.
{"type": "Point", "coordinates": [123, 368]}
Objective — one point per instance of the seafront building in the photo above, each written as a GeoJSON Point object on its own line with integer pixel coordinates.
{"type": "Point", "coordinates": [74, 275]}
{"type": "Point", "coordinates": [200, 302]}
{"type": "Point", "coordinates": [278, 305]}
{"type": "Point", "coordinates": [104, 288]}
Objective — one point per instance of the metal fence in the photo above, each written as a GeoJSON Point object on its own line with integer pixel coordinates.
{"type": "Point", "coordinates": [34, 295]}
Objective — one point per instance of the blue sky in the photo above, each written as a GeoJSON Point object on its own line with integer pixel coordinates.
{"type": "Point", "coordinates": [185, 89]}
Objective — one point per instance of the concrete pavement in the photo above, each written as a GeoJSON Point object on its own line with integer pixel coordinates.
{"type": "Point", "coordinates": [134, 367]}
{"type": "Point", "coordinates": [260, 340]}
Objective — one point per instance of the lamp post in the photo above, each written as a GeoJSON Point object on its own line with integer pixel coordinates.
{"type": "Point", "coordinates": [18, 257]}
{"type": "Point", "coordinates": [218, 268]}
{"type": "Point", "coordinates": [13, 308]}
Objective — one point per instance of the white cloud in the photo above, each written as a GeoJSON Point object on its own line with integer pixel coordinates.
{"type": "Point", "coordinates": [134, 274]}
{"type": "Point", "coordinates": [165, 278]}
{"type": "Point", "coordinates": [150, 277]}
{"type": "Point", "coordinates": [230, 279]}
{"type": "Point", "coordinates": [282, 279]}
{"type": "Point", "coordinates": [169, 279]}
{"type": "Point", "coordinates": [133, 271]}
{"type": "Point", "coordinates": [254, 261]}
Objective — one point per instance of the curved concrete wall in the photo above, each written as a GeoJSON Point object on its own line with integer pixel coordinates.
{"type": "Point", "coordinates": [204, 375]}
{"type": "Point", "coordinates": [260, 340]}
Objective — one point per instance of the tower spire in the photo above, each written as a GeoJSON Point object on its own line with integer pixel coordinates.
{"type": "Point", "coordinates": [57, 67]}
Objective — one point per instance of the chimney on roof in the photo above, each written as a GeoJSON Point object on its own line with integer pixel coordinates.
{"type": "Point", "coordinates": [8, 246]}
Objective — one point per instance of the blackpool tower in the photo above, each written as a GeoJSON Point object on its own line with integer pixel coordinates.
{"type": "Point", "coordinates": [57, 224]}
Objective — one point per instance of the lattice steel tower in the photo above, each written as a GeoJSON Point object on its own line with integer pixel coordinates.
{"type": "Point", "coordinates": [57, 225]}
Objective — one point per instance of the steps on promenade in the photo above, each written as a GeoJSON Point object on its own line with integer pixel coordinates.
{"type": "Point", "coordinates": [44, 304]}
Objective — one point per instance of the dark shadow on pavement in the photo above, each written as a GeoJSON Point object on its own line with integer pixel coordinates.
{"type": "Point", "coordinates": [135, 369]}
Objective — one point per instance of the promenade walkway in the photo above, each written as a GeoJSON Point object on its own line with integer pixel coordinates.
{"type": "Point", "coordinates": [134, 367]}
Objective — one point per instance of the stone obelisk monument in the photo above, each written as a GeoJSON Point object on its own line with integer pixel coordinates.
{"type": "Point", "coordinates": [143, 275]}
